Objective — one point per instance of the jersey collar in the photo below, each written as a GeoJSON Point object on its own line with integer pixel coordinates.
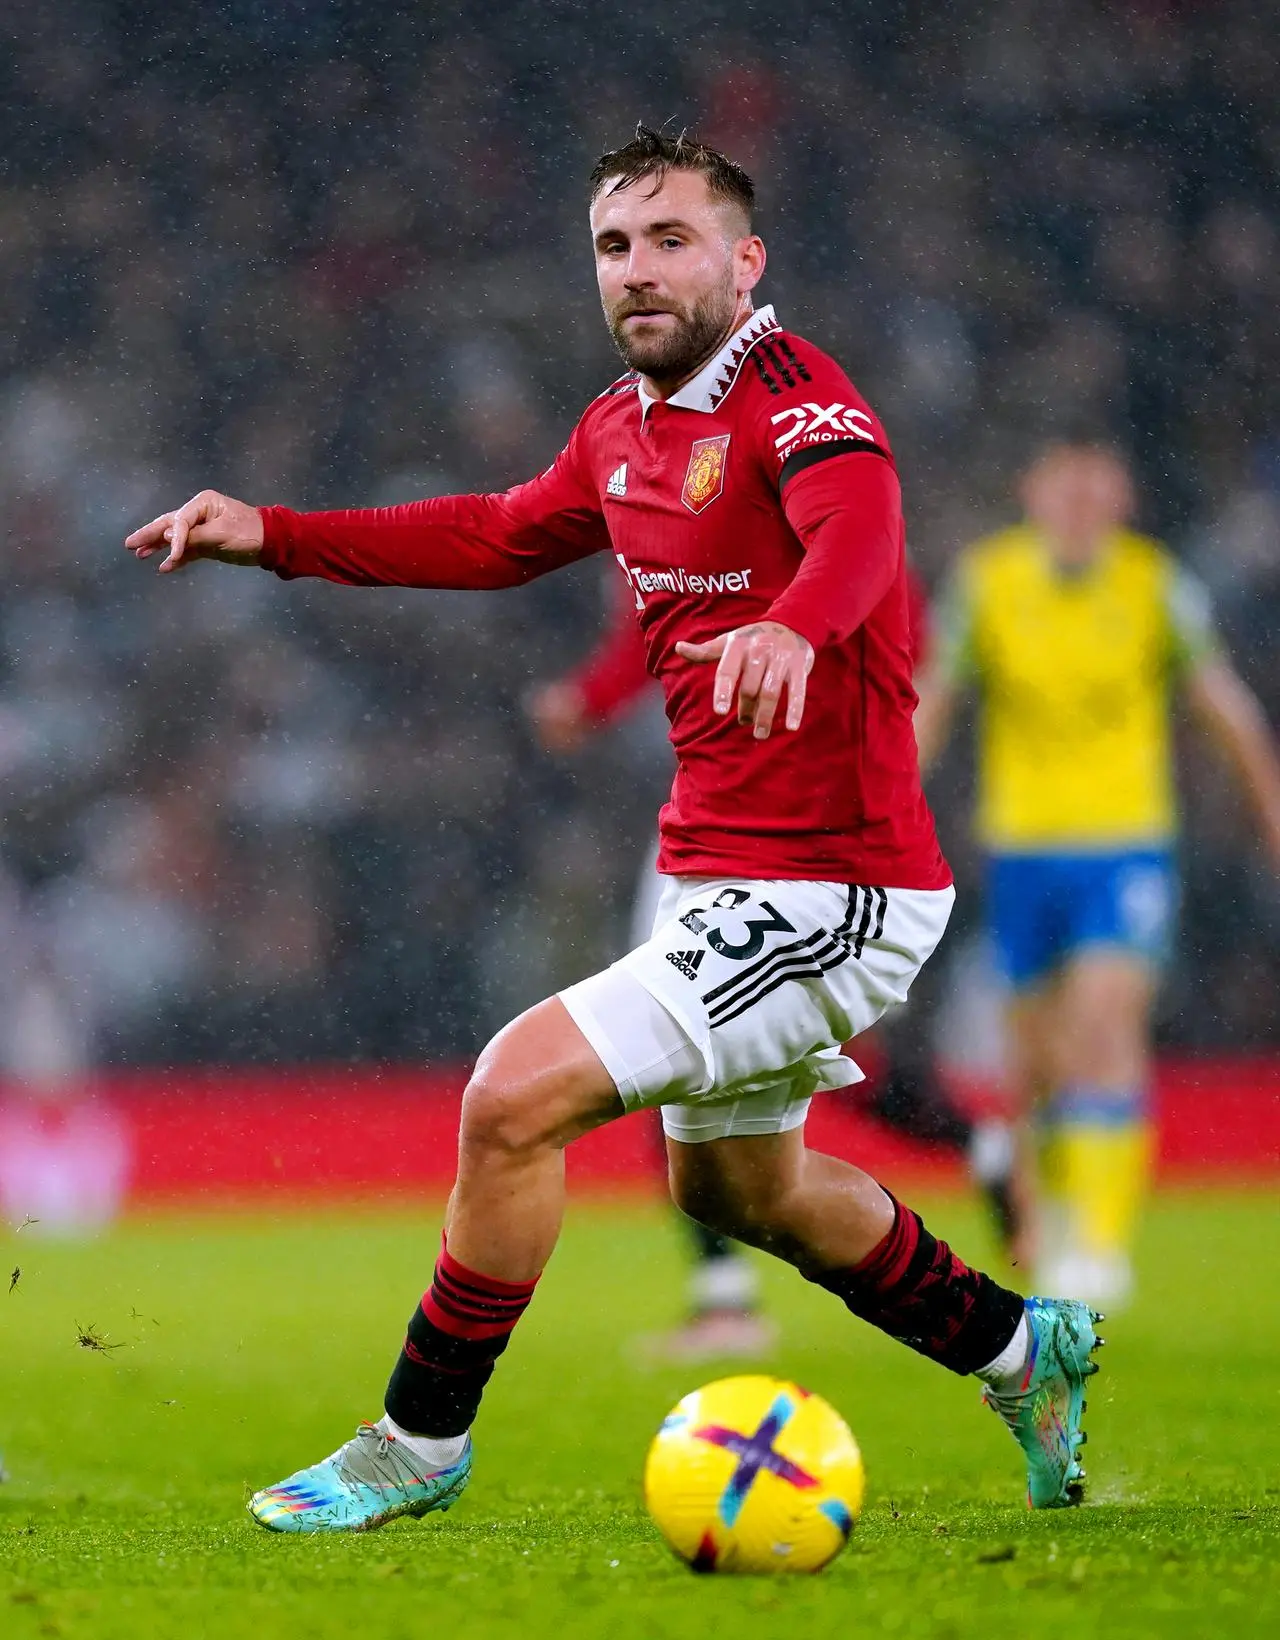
{"type": "Point", "coordinates": [707, 389]}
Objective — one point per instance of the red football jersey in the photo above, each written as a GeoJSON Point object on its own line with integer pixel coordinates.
{"type": "Point", "coordinates": [615, 670]}
{"type": "Point", "coordinates": [763, 490]}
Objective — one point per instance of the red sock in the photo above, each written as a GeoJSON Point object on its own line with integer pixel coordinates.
{"type": "Point", "coordinates": [915, 1288]}
{"type": "Point", "coordinates": [455, 1335]}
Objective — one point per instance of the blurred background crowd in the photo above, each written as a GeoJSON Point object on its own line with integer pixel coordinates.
{"type": "Point", "coordinates": [327, 252]}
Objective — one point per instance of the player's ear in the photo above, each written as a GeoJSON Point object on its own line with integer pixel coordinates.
{"type": "Point", "coordinates": [749, 259]}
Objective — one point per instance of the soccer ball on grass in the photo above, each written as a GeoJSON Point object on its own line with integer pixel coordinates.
{"type": "Point", "coordinates": [754, 1474]}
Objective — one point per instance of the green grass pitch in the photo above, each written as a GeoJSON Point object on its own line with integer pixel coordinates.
{"type": "Point", "coordinates": [251, 1345]}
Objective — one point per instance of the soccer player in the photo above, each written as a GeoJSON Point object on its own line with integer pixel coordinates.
{"type": "Point", "coordinates": [724, 1301]}
{"type": "Point", "coordinates": [724, 1316]}
{"type": "Point", "coordinates": [1074, 631]}
{"type": "Point", "coordinates": [750, 499]}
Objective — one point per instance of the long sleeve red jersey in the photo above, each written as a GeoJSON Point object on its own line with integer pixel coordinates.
{"type": "Point", "coordinates": [764, 489]}
{"type": "Point", "coordinates": [615, 670]}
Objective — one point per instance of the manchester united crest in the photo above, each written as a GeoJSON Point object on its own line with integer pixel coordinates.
{"type": "Point", "coordinates": [705, 478]}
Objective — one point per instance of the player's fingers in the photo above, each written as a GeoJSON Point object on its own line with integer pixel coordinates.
{"type": "Point", "coordinates": [727, 674]}
{"type": "Point", "coordinates": [750, 681]}
{"type": "Point", "coordinates": [196, 511]}
{"type": "Point", "coordinates": [770, 694]}
{"type": "Point", "coordinates": [797, 688]}
{"type": "Point", "coordinates": [177, 551]}
{"type": "Point", "coordinates": [711, 651]}
{"type": "Point", "coordinates": [144, 541]}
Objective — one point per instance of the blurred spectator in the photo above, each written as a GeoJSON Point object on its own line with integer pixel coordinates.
{"type": "Point", "coordinates": [323, 252]}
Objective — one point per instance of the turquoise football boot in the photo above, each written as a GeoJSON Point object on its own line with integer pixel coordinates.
{"type": "Point", "coordinates": [364, 1484]}
{"type": "Point", "coordinates": [1043, 1410]}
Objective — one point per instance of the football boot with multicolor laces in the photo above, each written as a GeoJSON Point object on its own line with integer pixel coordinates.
{"type": "Point", "coordinates": [365, 1483]}
{"type": "Point", "coordinates": [1044, 1407]}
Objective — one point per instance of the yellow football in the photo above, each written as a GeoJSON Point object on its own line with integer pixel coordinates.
{"type": "Point", "coordinates": [754, 1474]}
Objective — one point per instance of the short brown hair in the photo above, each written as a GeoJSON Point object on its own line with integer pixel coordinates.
{"type": "Point", "coordinates": [653, 153]}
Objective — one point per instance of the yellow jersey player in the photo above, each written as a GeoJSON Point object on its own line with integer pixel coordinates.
{"type": "Point", "coordinates": [1074, 633]}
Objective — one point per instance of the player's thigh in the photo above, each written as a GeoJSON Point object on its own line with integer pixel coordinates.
{"type": "Point", "coordinates": [769, 978]}
{"type": "Point", "coordinates": [733, 1013]}
{"type": "Point", "coordinates": [644, 1049]}
{"type": "Point", "coordinates": [1124, 902]}
{"type": "Point", "coordinates": [721, 1180]}
{"type": "Point", "coordinates": [1019, 904]}
{"type": "Point", "coordinates": [1030, 1021]}
{"type": "Point", "coordinates": [1122, 913]}
{"type": "Point", "coordinates": [1104, 1000]}
{"type": "Point", "coordinates": [539, 1081]}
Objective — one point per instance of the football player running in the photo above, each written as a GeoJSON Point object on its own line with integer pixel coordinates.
{"type": "Point", "coordinates": [751, 500]}
{"type": "Point", "coordinates": [1075, 633]}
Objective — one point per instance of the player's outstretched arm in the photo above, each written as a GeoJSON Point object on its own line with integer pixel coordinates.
{"type": "Point", "coordinates": [210, 525]}
{"type": "Point", "coordinates": [565, 713]}
{"type": "Point", "coordinates": [471, 542]}
{"type": "Point", "coordinates": [1232, 715]}
{"type": "Point", "coordinates": [756, 665]}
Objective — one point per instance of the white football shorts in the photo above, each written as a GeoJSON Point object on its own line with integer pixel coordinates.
{"type": "Point", "coordinates": [731, 1015]}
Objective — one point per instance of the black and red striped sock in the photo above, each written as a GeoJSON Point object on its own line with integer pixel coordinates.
{"type": "Point", "coordinates": [455, 1335]}
{"type": "Point", "coordinates": [913, 1287]}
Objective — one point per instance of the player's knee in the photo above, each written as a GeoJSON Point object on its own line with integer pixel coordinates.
{"type": "Point", "coordinates": [538, 1084]}
{"type": "Point", "coordinates": [1111, 1051]}
{"type": "Point", "coordinates": [504, 1110]}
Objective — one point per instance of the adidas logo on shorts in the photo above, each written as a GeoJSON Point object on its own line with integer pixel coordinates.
{"type": "Point", "coordinates": [688, 962]}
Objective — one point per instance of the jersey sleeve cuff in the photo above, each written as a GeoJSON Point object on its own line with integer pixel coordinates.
{"type": "Point", "coordinates": [274, 555]}
{"type": "Point", "coordinates": [595, 698]}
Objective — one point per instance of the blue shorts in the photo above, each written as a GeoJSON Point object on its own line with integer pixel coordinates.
{"type": "Point", "coordinates": [1043, 909]}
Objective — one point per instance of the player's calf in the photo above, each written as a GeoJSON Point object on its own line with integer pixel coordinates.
{"type": "Point", "coordinates": [454, 1337]}
{"type": "Point", "coordinates": [536, 1086]}
{"type": "Point", "coordinates": [1032, 1355]}
{"type": "Point", "coordinates": [771, 1192]}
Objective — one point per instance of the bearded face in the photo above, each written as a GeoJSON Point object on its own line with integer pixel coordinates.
{"type": "Point", "coordinates": [675, 266]}
{"type": "Point", "coordinates": [667, 340]}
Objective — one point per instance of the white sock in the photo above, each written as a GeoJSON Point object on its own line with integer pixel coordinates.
{"type": "Point", "coordinates": [1011, 1359]}
{"type": "Point", "coordinates": [991, 1153]}
{"type": "Point", "coordinates": [437, 1452]}
{"type": "Point", "coordinates": [726, 1283]}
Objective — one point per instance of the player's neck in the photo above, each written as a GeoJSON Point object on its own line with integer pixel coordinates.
{"type": "Point", "coordinates": [665, 387]}
{"type": "Point", "coordinates": [1074, 557]}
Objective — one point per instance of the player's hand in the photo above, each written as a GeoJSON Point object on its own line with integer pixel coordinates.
{"type": "Point", "coordinates": [208, 526]}
{"type": "Point", "coordinates": [756, 663]}
{"type": "Point", "coordinates": [558, 715]}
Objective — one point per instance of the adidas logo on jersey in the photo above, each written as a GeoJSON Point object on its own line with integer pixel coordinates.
{"type": "Point", "coordinates": [617, 484]}
{"type": "Point", "coordinates": [688, 962]}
